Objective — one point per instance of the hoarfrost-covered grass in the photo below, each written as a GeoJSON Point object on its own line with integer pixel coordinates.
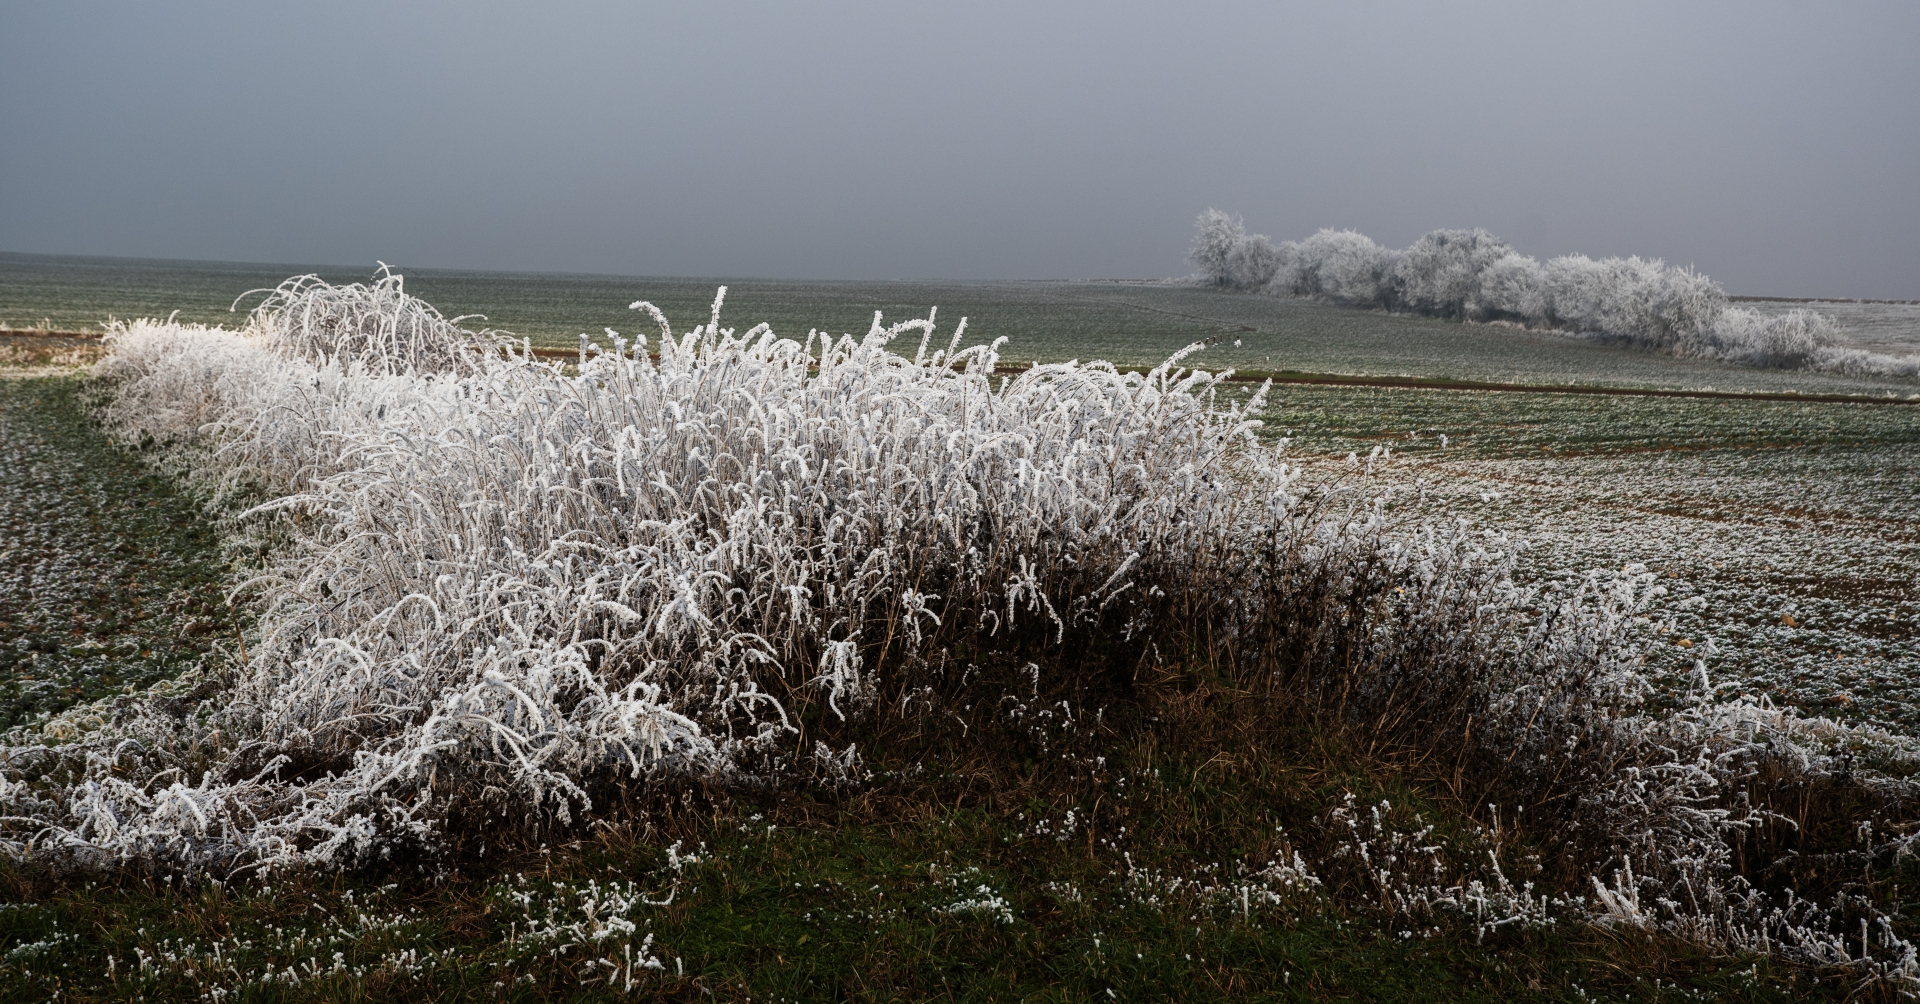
{"type": "Point", "coordinates": [509, 583]}
{"type": "Point", "coordinates": [499, 593]}
{"type": "Point", "coordinates": [375, 326]}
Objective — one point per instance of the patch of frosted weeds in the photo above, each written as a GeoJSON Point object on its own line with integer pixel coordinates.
{"type": "Point", "coordinates": [357, 940]}
{"type": "Point", "coordinates": [1284, 883]}
{"type": "Point", "coordinates": [982, 900]}
{"type": "Point", "coordinates": [1414, 879]}
{"type": "Point", "coordinates": [376, 325]}
{"type": "Point", "coordinates": [1065, 892]}
{"type": "Point", "coordinates": [591, 922]}
{"type": "Point", "coordinates": [516, 579]}
{"type": "Point", "coordinates": [361, 939]}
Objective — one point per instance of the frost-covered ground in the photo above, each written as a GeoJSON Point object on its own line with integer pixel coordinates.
{"type": "Point", "coordinates": [1785, 533]}
{"type": "Point", "coordinates": [110, 579]}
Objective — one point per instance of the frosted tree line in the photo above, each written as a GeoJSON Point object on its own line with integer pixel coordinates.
{"type": "Point", "coordinates": [1471, 275]}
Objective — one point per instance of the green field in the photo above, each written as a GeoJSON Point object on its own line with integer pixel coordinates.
{"type": "Point", "coordinates": [1757, 512]}
{"type": "Point", "coordinates": [1130, 323]}
{"type": "Point", "coordinates": [1785, 532]}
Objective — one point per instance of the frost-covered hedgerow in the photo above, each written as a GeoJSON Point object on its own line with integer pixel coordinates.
{"type": "Point", "coordinates": [496, 587]}
{"type": "Point", "coordinates": [1473, 275]}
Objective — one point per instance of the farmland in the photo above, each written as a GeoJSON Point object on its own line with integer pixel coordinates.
{"type": "Point", "coordinates": [1128, 323]}
{"type": "Point", "coordinates": [1783, 532]}
{"type": "Point", "coordinates": [1146, 857]}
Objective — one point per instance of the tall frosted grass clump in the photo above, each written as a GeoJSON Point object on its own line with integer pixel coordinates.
{"type": "Point", "coordinates": [374, 324]}
{"type": "Point", "coordinates": [1473, 275]}
{"type": "Point", "coordinates": [497, 590]}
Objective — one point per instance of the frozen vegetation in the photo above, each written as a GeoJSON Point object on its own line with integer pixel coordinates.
{"type": "Point", "coordinates": [495, 589]}
{"type": "Point", "coordinates": [1471, 275]}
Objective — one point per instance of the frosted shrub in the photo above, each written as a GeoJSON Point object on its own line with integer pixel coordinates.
{"type": "Point", "coordinates": [1633, 300]}
{"type": "Point", "coordinates": [494, 590]}
{"type": "Point", "coordinates": [1229, 256]}
{"type": "Point", "coordinates": [1513, 288]}
{"type": "Point", "coordinates": [1793, 340]}
{"type": "Point", "coordinates": [1859, 362]}
{"type": "Point", "coordinates": [1343, 266]}
{"type": "Point", "coordinates": [1253, 264]}
{"type": "Point", "coordinates": [1442, 273]}
{"type": "Point", "coordinates": [377, 324]}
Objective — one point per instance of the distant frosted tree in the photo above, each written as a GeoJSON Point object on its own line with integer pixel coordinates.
{"type": "Point", "coordinates": [1441, 274]}
{"type": "Point", "coordinates": [1253, 263]}
{"type": "Point", "coordinates": [1679, 306]}
{"type": "Point", "coordinates": [1215, 236]}
{"type": "Point", "coordinates": [1228, 255]}
{"type": "Point", "coordinates": [1513, 289]}
{"type": "Point", "coordinates": [1589, 295]}
{"type": "Point", "coordinates": [1344, 266]}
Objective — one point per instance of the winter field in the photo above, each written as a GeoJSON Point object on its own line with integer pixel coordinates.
{"type": "Point", "coordinates": [1784, 532]}
{"type": "Point", "coordinates": [1127, 323]}
{"type": "Point", "coordinates": [1406, 693]}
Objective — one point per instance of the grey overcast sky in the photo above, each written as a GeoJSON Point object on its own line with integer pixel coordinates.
{"type": "Point", "coordinates": [1775, 146]}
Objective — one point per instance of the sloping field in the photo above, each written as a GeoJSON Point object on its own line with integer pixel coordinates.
{"type": "Point", "coordinates": [1128, 323]}
{"type": "Point", "coordinates": [1783, 532]}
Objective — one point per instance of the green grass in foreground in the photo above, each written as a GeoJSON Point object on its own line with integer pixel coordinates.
{"type": "Point", "coordinates": [809, 902]}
